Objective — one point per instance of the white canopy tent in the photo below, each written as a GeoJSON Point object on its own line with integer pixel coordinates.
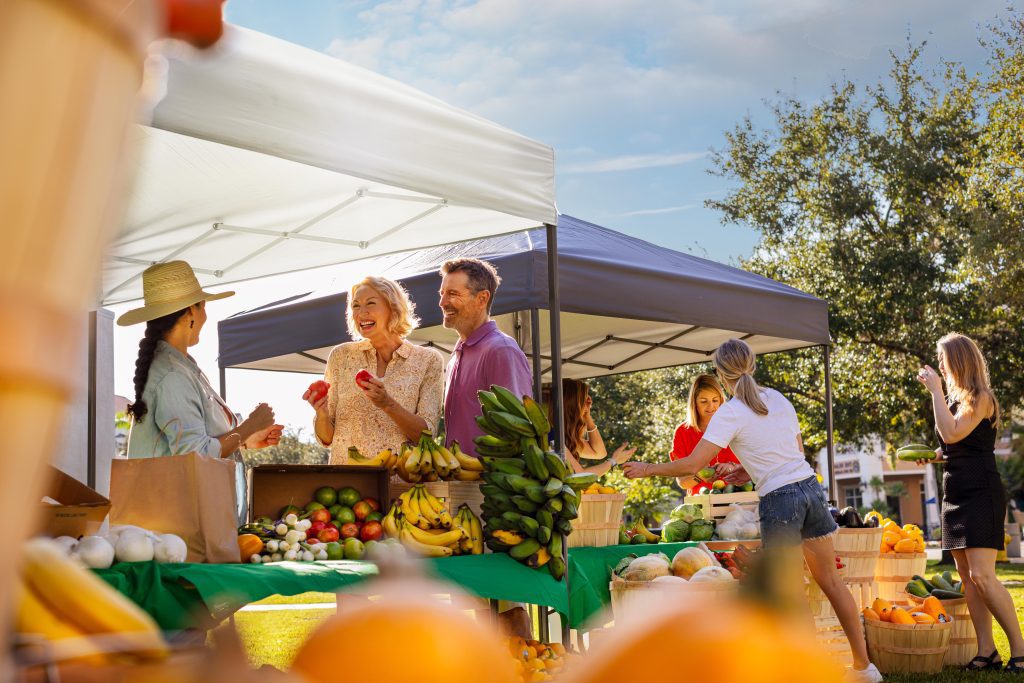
{"type": "Point", "coordinates": [265, 157]}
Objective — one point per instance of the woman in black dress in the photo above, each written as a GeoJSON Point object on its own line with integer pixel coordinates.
{"type": "Point", "coordinates": [973, 499]}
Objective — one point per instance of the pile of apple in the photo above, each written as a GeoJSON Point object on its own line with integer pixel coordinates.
{"type": "Point", "coordinates": [338, 524]}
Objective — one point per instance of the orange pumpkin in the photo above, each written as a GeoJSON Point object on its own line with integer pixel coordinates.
{"type": "Point", "coordinates": [870, 614]}
{"type": "Point", "coordinates": [249, 545]}
{"type": "Point", "coordinates": [898, 615]}
{"type": "Point", "coordinates": [922, 618]}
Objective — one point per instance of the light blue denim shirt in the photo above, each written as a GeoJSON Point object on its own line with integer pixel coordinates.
{"type": "Point", "coordinates": [185, 414]}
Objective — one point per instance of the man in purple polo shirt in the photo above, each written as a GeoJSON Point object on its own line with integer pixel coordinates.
{"type": "Point", "coordinates": [484, 354]}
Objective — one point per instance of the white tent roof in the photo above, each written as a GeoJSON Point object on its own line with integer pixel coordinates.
{"type": "Point", "coordinates": [265, 157]}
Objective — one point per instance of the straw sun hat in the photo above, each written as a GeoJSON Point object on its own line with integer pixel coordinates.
{"type": "Point", "coordinates": [166, 288]}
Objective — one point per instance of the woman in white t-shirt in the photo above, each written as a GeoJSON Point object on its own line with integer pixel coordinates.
{"type": "Point", "coordinates": [761, 428]}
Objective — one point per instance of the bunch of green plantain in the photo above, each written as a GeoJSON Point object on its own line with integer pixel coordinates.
{"type": "Point", "coordinates": [530, 495]}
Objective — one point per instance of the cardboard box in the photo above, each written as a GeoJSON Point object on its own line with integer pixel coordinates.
{"type": "Point", "coordinates": [274, 486]}
{"type": "Point", "coordinates": [81, 510]}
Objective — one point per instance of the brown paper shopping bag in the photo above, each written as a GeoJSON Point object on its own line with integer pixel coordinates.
{"type": "Point", "coordinates": [190, 495]}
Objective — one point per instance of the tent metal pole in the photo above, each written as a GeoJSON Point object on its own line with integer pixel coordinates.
{"type": "Point", "coordinates": [91, 409]}
{"type": "Point", "coordinates": [224, 383]}
{"type": "Point", "coordinates": [830, 446]}
{"type": "Point", "coordinates": [535, 351]}
{"type": "Point", "coordinates": [554, 314]}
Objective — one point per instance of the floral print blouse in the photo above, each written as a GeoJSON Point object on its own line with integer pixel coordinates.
{"type": "Point", "coordinates": [414, 379]}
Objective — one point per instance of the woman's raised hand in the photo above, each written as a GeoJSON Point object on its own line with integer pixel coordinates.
{"type": "Point", "coordinates": [731, 472]}
{"type": "Point", "coordinates": [623, 453]}
{"type": "Point", "coordinates": [261, 418]}
{"type": "Point", "coordinates": [374, 390]}
{"type": "Point", "coordinates": [928, 377]}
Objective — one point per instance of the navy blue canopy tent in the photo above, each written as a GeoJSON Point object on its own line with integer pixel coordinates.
{"type": "Point", "coordinates": [625, 305]}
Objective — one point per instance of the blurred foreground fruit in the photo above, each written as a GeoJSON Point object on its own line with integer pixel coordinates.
{"type": "Point", "coordinates": [438, 642]}
{"type": "Point", "coordinates": [751, 646]}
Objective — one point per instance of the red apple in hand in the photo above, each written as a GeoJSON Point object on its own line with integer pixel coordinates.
{"type": "Point", "coordinates": [362, 377]}
{"type": "Point", "coordinates": [361, 509]}
{"type": "Point", "coordinates": [320, 515]}
{"type": "Point", "coordinates": [328, 535]}
{"type": "Point", "coordinates": [372, 531]}
{"type": "Point", "coordinates": [350, 530]}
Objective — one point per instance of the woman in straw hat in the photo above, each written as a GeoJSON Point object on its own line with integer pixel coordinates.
{"type": "Point", "coordinates": [175, 410]}
{"type": "Point", "coordinates": [762, 429]}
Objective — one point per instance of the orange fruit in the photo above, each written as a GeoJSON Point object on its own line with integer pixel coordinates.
{"type": "Point", "coordinates": [429, 629]}
{"type": "Point", "coordinates": [651, 645]}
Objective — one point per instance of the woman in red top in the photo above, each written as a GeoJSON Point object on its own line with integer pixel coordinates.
{"type": "Point", "coordinates": [705, 398]}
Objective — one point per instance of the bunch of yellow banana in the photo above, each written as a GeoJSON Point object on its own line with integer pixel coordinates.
{"type": "Point", "coordinates": [430, 461]}
{"type": "Point", "coordinates": [421, 509]}
{"type": "Point", "coordinates": [473, 541]}
{"type": "Point", "coordinates": [79, 615]}
{"type": "Point", "coordinates": [386, 458]}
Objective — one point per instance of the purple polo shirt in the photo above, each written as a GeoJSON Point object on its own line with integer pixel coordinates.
{"type": "Point", "coordinates": [488, 356]}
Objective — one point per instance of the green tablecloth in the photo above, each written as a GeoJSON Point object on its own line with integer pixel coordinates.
{"type": "Point", "coordinates": [186, 595]}
{"type": "Point", "coordinates": [590, 572]}
{"type": "Point", "coordinates": [198, 595]}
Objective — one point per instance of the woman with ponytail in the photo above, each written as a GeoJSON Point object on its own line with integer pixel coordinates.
{"type": "Point", "coordinates": [761, 428]}
{"type": "Point", "coordinates": [176, 410]}
{"type": "Point", "coordinates": [973, 497]}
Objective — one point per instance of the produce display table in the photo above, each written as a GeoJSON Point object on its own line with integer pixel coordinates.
{"type": "Point", "coordinates": [181, 596]}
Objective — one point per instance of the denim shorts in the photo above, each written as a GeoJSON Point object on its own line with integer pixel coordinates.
{"type": "Point", "coordinates": [794, 513]}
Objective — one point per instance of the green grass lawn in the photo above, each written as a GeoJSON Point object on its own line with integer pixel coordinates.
{"type": "Point", "coordinates": [273, 637]}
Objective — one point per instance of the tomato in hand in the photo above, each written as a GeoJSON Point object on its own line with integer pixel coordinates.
{"type": "Point", "coordinates": [317, 390]}
{"type": "Point", "coordinates": [362, 377]}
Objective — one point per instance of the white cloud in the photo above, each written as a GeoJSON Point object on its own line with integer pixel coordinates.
{"type": "Point", "coordinates": [632, 162]}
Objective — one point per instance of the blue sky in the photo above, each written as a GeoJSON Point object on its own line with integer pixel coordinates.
{"type": "Point", "coordinates": [631, 95]}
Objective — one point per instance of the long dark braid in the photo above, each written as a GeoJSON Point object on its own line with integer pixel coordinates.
{"type": "Point", "coordinates": [155, 331]}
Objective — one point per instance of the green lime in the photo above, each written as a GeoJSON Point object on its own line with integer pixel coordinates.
{"type": "Point", "coordinates": [326, 496]}
{"type": "Point", "coordinates": [344, 515]}
{"type": "Point", "coordinates": [348, 496]}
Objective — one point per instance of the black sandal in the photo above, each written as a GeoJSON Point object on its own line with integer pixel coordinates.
{"type": "Point", "coordinates": [989, 663]}
{"type": "Point", "coordinates": [1015, 666]}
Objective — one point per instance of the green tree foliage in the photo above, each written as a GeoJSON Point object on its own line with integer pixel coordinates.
{"type": "Point", "coordinates": [860, 199]}
{"type": "Point", "coordinates": [291, 450]}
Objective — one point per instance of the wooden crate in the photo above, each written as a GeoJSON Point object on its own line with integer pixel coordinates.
{"type": "Point", "coordinates": [831, 638]}
{"type": "Point", "coordinates": [600, 516]}
{"type": "Point", "coordinates": [863, 593]}
{"type": "Point", "coordinates": [716, 505]}
{"type": "Point", "coordinates": [467, 492]}
{"type": "Point", "coordinates": [597, 535]}
{"type": "Point", "coordinates": [907, 648]}
{"type": "Point", "coordinates": [963, 643]}
{"type": "Point", "coordinates": [858, 549]}
{"type": "Point", "coordinates": [893, 571]}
